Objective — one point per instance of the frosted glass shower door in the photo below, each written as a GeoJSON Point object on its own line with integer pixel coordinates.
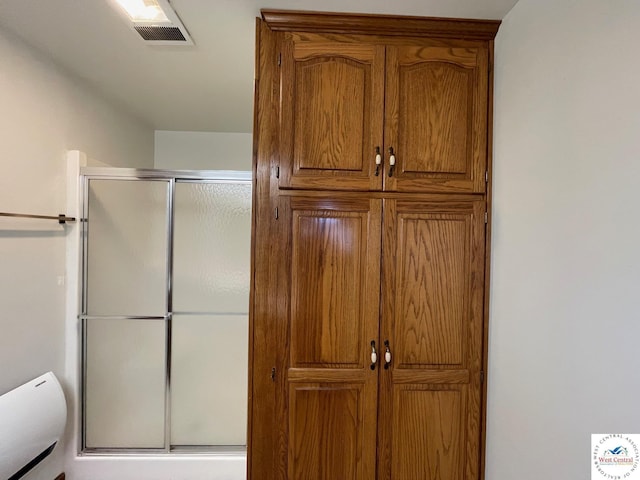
{"type": "Point", "coordinates": [125, 388]}
{"type": "Point", "coordinates": [125, 313]}
{"type": "Point", "coordinates": [127, 234]}
{"type": "Point", "coordinates": [165, 311]}
{"type": "Point", "coordinates": [209, 357]}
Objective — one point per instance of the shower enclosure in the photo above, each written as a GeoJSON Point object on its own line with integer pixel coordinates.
{"type": "Point", "coordinates": [164, 310]}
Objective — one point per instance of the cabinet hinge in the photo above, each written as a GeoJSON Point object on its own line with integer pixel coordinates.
{"type": "Point", "coordinates": [486, 176]}
{"type": "Point", "coordinates": [279, 58]}
{"type": "Point", "coordinates": [273, 374]}
{"type": "Point", "coordinates": [277, 172]}
{"type": "Point", "coordinates": [481, 376]}
{"type": "Point", "coordinates": [276, 213]}
{"type": "Point", "coordinates": [486, 217]}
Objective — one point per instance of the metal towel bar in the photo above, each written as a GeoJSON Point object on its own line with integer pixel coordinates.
{"type": "Point", "coordinates": [60, 218]}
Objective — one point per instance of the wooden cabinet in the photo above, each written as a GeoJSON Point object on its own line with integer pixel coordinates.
{"type": "Point", "coordinates": [422, 102]}
{"type": "Point", "coordinates": [347, 263]}
{"type": "Point", "coordinates": [432, 295]}
{"type": "Point", "coordinates": [332, 114]}
{"type": "Point", "coordinates": [425, 403]}
{"type": "Point", "coordinates": [436, 117]}
{"type": "Point", "coordinates": [332, 315]}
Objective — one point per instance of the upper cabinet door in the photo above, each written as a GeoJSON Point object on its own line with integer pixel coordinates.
{"type": "Point", "coordinates": [436, 118]}
{"type": "Point", "coordinates": [332, 114]}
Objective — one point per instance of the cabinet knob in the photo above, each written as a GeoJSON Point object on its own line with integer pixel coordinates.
{"type": "Point", "coordinates": [387, 355]}
{"type": "Point", "coordinates": [374, 355]}
{"type": "Point", "coordinates": [378, 161]}
{"type": "Point", "coordinates": [392, 161]}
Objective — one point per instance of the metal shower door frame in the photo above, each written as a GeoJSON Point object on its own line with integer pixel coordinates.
{"type": "Point", "coordinates": [172, 177]}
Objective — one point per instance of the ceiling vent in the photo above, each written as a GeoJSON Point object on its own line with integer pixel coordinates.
{"type": "Point", "coordinates": [160, 34]}
{"type": "Point", "coordinates": [155, 21]}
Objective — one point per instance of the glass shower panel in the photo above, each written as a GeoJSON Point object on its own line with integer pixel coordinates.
{"type": "Point", "coordinates": [127, 254]}
{"type": "Point", "coordinates": [212, 239]}
{"type": "Point", "coordinates": [128, 258]}
{"type": "Point", "coordinates": [209, 380]}
{"type": "Point", "coordinates": [125, 383]}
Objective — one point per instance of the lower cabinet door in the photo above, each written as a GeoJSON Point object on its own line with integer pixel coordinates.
{"type": "Point", "coordinates": [432, 318]}
{"type": "Point", "coordinates": [330, 405]}
{"type": "Point", "coordinates": [384, 337]}
{"type": "Point", "coordinates": [332, 429]}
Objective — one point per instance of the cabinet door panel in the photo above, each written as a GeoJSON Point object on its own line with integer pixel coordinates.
{"type": "Point", "coordinates": [324, 283]}
{"type": "Point", "coordinates": [333, 253]}
{"type": "Point", "coordinates": [436, 107]}
{"type": "Point", "coordinates": [432, 297]}
{"type": "Point", "coordinates": [332, 101]}
{"type": "Point", "coordinates": [329, 434]}
{"type": "Point", "coordinates": [441, 108]}
{"type": "Point", "coordinates": [433, 275]}
{"type": "Point", "coordinates": [334, 281]}
{"type": "Point", "coordinates": [429, 441]}
{"type": "Point", "coordinates": [329, 114]}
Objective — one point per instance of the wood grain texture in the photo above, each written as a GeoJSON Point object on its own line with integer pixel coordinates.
{"type": "Point", "coordinates": [433, 198]}
{"type": "Point", "coordinates": [334, 275]}
{"type": "Point", "coordinates": [436, 98]}
{"type": "Point", "coordinates": [262, 414]}
{"type": "Point", "coordinates": [332, 432]}
{"type": "Point", "coordinates": [334, 282]}
{"type": "Point", "coordinates": [344, 375]}
{"type": "Point", "coordinates": [329, 255]}
{"type": "Point", "coordinates": [380, 38]}
{"type": "Point", "coordinates": [429, 434]}
{"type": "Point", "coordinates": [433, 96]}
{"type": "Point", "coordinates": [433, 377]}
{"type": "Point", "coordinates": [332, 114]}
{"type": "Point", "coordinates": [432, 249]}
{"type": "Point", "coordinates": [336, 99]}
{"type": "Point", "coordinates": [322, 390]}
{"type": "Point", "coordinates": [487, 260]}
{"type": "Point", "coordinates": [431, 289]}
{"type": "Point", "coordinates": [292, 20]}
{"type": "Point", "coordinates": [431, 292]}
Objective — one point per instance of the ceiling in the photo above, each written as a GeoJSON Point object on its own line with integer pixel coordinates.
{"type": "Point", "coordinates": [207, 87]}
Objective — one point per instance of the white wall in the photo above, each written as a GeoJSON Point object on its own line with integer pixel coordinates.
{"type": "Point", "coordinates": [203, 150]}
{"type": "Point", "coordinates": [565, 311]}
{"type": "Point", "coordinates": [45, 112]}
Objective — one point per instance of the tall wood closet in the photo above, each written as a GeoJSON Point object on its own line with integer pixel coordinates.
{"type": "Point", "coordinates": [370, 247]}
